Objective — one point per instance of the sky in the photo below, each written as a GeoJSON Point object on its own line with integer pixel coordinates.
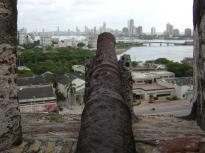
{"type": "Point", "coordinates": [67, 14]}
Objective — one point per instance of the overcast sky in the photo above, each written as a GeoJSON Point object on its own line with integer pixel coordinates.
{"type": "Point", "coordinates": [48, 14]}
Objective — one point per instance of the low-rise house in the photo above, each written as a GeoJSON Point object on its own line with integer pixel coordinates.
{"type": "Point", "coordinates": [79, 87]}
{"type": "Point", "coordinates": [183, 86]}
{"type": "Point", "coordinates": [36, 95]}
{"type": "Point", "coordinates": [152, 92]}
{"type": "Point", "coordinates": [37, 99]}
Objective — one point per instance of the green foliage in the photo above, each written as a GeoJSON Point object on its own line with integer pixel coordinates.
{"type": "Point", "coordinates": [59, 95]}
{"type": "Point", "coordinates": [31, 45]}
{"type": "Point", "coordinates": [135, 64]}
{"type": "Point", "coordinates": [24, 73]}
{"type": "Point", "coordinates": [122, 45]}
{"type": "Point", "coordinates": [162, 61]}
{"type": "Point", "coordinates": [81, 45]}
{"type": "Point", "coordinates": [58, 61]}
{"type": "Point", "coordinates": [180, 70]}
{"type": "Point", "coordinates": [71, 88]}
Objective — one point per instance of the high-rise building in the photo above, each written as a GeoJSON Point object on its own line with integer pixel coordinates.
{"type": "Point", "coordinates": [46, 39]}
{"type": "Point", "coordinates": [58, 29]}
{"type": "Point", "coordinates": [22, 36]}
{"type": "Point", "coordinates": [169, 29]}
{"type": "Point", "coordinates": [188, 32]}
{"type": "Point", "coordinates": [77, 30]}
{"type": "Point", "coordinates": [176, 32]}
{"type": "Point", "coordinates": [104, 27]}
{"type": "Point", "coordinates": [131, 27]}
{"type": "Point", "coordinates": [153, 31]}
{"type": "Point", "coordinates": [125, 31]}
{"type": "Point", "coordinates": [139, 31]}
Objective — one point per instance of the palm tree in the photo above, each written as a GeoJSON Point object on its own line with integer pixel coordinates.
{"type": "Point", "coordinates": [71, 90]}
{"type": "Point", "coordinates": [10, 119]}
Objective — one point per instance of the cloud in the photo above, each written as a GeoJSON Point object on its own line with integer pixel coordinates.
{"type": "Point", "coordinates": [48, 14]}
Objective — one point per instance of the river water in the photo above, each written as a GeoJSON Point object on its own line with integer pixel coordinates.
{"type": "Point", "coordinates": [145, 53]}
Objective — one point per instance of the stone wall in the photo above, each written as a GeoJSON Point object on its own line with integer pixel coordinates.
{"type": "Point", "coordinates": [198, 110]}
{"type": "Point", "coordinates": [10, 126]}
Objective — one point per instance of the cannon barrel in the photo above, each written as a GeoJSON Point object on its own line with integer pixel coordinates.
{"type": "Point", "coordinates": [106, 119]}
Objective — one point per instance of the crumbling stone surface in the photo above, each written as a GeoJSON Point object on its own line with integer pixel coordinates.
{"type": "Point", "coordinates": [10, 126]}
{"type": "Point", "coordinates": [198, 110]}
{"type": "Point", "coordinates": [167, 134]}
{"type": "Point", "coordinates": [153, 134]}
{"type": "Point", "coordinates": [106, 119]}
{"type": "Point", "coordinates": [127, 82]}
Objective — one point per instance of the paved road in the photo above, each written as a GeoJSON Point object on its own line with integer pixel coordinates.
{"type": "Point", "coordinates": [176, 108]}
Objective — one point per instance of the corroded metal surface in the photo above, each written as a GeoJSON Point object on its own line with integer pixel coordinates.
{"type": "Point", "coordinates": [10, 127]}
{"type": "Point", "coordinates": [106, 119]}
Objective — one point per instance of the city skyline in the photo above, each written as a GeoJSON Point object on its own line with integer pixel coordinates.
{"type": "Point", "coordinates": [39, 14]}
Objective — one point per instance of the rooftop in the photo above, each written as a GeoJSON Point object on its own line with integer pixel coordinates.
{"type": "Point", "coordinates": [148, 87]}
{"type": "Point", "coordinates": [182, 81]}
{"type": "Point", "coordinates": [150, 74]}
{"type": "Point", "coordinates": [36, 92]}
{"type": "Point", "coordinates": [28, 81]}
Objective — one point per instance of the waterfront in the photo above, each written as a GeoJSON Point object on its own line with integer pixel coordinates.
{"type": "Point", "coordinates": [175, 53]}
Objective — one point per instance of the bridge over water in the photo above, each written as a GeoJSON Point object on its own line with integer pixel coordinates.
{"type": "Point", "coordinates": [167, 43]}
{"type": "Point", "coordinates": [160, 42]}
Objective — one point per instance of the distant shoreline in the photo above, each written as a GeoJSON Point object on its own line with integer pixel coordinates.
{"type": "Point", "coordinates": [121, 50]}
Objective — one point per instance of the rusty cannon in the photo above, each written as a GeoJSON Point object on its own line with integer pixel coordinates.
{"type": "Point", "coordinates": [106, 119]}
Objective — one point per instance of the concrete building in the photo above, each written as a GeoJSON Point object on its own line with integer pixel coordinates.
{"type": "Point", "coordinates": [22, 36]}
{"type": "Point", "coordinates": [169, 29]}
{"type": "Point", "coordinates": [92, 41]}
{"type": "Point", "coordinates": [188, 32]}
{"type": "Point", "coordinates": [46, 39]}
{"type": "Point", "coordinates": [70, 43]}
{"type": "Point", "coordinates": [183, 86]}
{"type": "Point", "coordinates": [79, 87]}
{"type": "Point", "coordinates": [153, 31]}
{"type": "Point", "coordinates": [176, 33]}
{"type": "Point", "coordinates": [150, 77]}
{"type": "Point", "coordinates": [78, 68]}
{"type": "Point", "coordinates": [36, 95]}
{"type": "Point", "coordinates": [37, 99]}
{"type": "Point", "coordinates": [152, 92]}
{"type": "Point", "coordinates": [139, 31]}
{"type": "Point", "coordinates": [125, 31]}
{"type": "Point", "coordinates": [103, 28]}
{"type": "Point", "coordinates": [131, 27]}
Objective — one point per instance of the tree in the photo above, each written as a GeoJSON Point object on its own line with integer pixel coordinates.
{"type": "Point", "coordinates": [198, 109]}
{"type": "Point", "coordinates": [81, 45]}
{"type": "Point", "coordinates": [10, 119]}
{"type": "Point", "coordinates": [135, 64]}
{"type": "Point", "coordinates": [71, 90]}
{"type": "Point", "coordinates": [179, 69]}
{"type": "Point", "coordinates": [162, 61]}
